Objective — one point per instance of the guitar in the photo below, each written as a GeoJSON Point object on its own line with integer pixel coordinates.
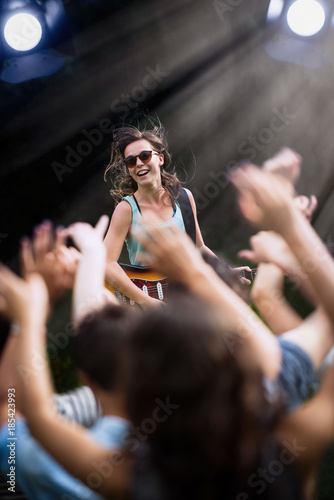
{"type": "Point", "coordinates": [153, 283]}
{"type": "Point", "coordinates": [250, 275]}
{"type": "Point", "coordinates": [150, 282]}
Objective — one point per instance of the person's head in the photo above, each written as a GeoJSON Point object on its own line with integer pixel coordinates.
{"type": "Point", "coordinates": [203, 407]}
{"type": "Point", "coordinates": [98, 345]}
{"type": "Point", "coordinates": [130, 142]}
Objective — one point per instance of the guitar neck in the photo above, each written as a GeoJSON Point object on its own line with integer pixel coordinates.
{"type": "Point", "coordinates": [250, 275]}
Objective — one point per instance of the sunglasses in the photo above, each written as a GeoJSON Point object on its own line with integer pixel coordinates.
{"type": "Point", "coordinates": [144, 156]}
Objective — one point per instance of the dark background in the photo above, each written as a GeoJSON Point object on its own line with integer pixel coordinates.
{"type": "Point", "coordinates": [216, 90]}
{"type": "Point", "coordinates": [217, 95]}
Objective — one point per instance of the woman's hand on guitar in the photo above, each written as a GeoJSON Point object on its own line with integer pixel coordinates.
{"type": "Point", "coordinates": [149, 302]}
{"type": "Point", "coordinates": [169, 251]}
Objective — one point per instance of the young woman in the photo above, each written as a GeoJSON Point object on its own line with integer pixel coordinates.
{"type": "Point", "coordinates": [145, 191]}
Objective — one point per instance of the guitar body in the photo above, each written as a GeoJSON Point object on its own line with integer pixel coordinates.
{"type": "Point", "coordinates": [152, 283]}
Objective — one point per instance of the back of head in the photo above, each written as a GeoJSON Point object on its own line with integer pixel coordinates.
{"type": "Point", "coordinates": [98, 344]}
{"type": "Point", "coordinates": [209, 410]}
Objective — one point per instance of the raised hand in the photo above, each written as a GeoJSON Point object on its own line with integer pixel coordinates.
{"type": "Point", "coordinates": [49, 257]}
{"type": "Point", "coordinates": [169, 250]}
{"type": "Point", "coordinates": [267, 246]}
{"type": "Point", "coordinates": [23, 301]}
{"type": "Point", "coordinates": [263, 199]}
{"type": "Point", "coordinates": [86, 236]}
{"type": "Point", "coordinates": [306, 205]}
{"type": "Point", "coordinates": [286, 163]}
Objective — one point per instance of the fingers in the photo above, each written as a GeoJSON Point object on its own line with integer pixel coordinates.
{"type": "Point", "coordinates": [83, 234]}
{"type": "Point", "coordinates": [102, 225]}
{"type": "Point", "coordinates": [312, 206]}
{"type": "Point", "coordinates": [147, 259]}
{"type": "Point", "coordinates": [60, 240]}
{"type": "Point", "coordinates": [27, 262]}
{"type": "Point", "coordinates": [306, 205]}
{"type": "Point", "coordinates": [148, 236]}
{"type": "Point", "coordinates": [287, 163]}
{"type": "Point", "coordinates": [249, 208]}
{"type": "Point", "coordinates": [3, 306]}
{"type": "Point", "coordinates": [9, 287]}
{"type": "Point", "coordinates": [42, 240]}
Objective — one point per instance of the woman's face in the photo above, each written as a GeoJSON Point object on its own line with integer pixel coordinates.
{"type": "Point", "coordinates": [144, 173]}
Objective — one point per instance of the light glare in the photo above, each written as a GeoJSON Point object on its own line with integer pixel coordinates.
{"type": "Point", "coordinates": [306, 17]}
{"type": "Point", "coordinates": [23, 32]}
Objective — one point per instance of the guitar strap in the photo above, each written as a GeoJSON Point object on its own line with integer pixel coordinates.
{"type": "Point", "coordinates": [187, 214]}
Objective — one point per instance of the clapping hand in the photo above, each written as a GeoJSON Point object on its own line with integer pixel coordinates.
{"type": "Point", "coordinates": [49, 257]}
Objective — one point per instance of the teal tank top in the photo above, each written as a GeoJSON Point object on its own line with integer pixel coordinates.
{"type": "Point", "coordinates": [135, 248]}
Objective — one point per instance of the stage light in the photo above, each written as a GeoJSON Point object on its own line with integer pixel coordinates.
{"type": "Point", "coordinates": [275, 9]}
{"type": "Point", "coordinates": [23, 31]}
{"type": "Point", "coordinates": [299, 29]}
{"type": "Point", "coordinates": [31, 32]}
{"type": "Point", "coordinates": [306, 17]}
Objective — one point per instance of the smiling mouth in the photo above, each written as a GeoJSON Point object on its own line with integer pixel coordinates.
{"type": "Point", "coordinates": [141, 174]}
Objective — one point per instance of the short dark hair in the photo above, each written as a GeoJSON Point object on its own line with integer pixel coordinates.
{"type": "Point", "coordinates": [98, 344]}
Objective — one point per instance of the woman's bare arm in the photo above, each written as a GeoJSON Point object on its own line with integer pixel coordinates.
{"type": "Point", "coordinates": [118, 231]}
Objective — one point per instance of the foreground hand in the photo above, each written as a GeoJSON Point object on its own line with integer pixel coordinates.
{"type": "Point", "coordinates": [169, 251]}
{"type": "Point", "coordinates": [50, 258]}
{"type": "Point", "coordinates": [306, 205]}
{"type": "Point", "coordinates": [267, 246]}
{"type": "Point", "coordinates": [85, 236]}
{"type": "Point", "coordinates": [23, 300]}
{"type": "Point", "coordinates": [286, 163]}
{"type": "Point", "coordinates": [263, 199]}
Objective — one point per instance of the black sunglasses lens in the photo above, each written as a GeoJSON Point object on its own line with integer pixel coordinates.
{"type": "Point", "coordinates": [145, 156]}
{"type": "Point", "coordinates": [131, 161]}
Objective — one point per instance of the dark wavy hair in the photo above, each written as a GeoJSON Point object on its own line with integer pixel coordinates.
{"type": "Point", "coordinates": [212, 438]}
{"type": "Point", "coordinates": [123, 183]}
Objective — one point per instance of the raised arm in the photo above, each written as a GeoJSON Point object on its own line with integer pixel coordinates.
{"type": "Point", "coordinates": [89, 291]}
{"type": "Point", "coordinates": [268, 297]}
{"type": "Point", "coordinates": [276, 259]}
{"type": "Point", "coordinates": [174, 253]}
{"type": "Point", "coordinates": [266, 204]}
{"type": "Point", "coordinates": [70, 444]}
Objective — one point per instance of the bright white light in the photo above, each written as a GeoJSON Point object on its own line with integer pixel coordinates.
{"type": "Point", "coordinates": [306, 17]}
{"type": "Point", "coordinates": [275, 9]}
{"type": "Point", "coordinates": [23, 31]}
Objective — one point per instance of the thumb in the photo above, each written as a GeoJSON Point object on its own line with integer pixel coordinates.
{"type": "Point", "coordinates": [247, 254]}
{"type": "Point", "coordinates": [102, 225]}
